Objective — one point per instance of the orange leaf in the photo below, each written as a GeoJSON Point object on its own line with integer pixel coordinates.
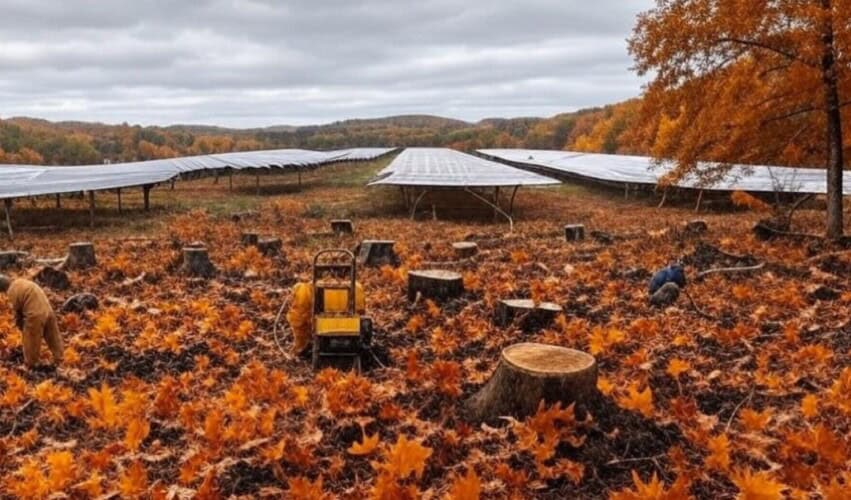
{"type": "Point", "coordinates": [640, 401]}
{"type": "Point", "coordinates": [467, 487]}
{"type": "Point", "coordinates": [367, 445]}
{"type": "Point", "coordinates": [302, 488]}
{"type": "Point", "coordinates": [137, 431]}
{"type": "Point", "coordinates": [133, 480]}
{"type": "Point", "coordinates": [653, 490]}
{"type": "Point", "coordinates": [719, 456]}
{"type": "Point", "coordinates": [757, 485]}
{"type": "Point", "coordinates": [405, 458]}
{"type": "Point", "coordinates": [677, 366]}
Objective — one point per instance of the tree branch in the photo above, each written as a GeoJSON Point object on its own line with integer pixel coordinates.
{"type": "Point", "coordinates": [760, 45]}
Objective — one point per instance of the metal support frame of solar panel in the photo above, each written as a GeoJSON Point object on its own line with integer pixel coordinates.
{"type": "Point", "coordinates": [639, 170]}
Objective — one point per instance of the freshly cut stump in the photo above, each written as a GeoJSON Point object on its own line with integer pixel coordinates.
{"type": "Point", "coordinates": [12, 258]}
{"type": "Point", "coordinates": [574, 232]}
{"type": "Point", "coordinates": [196, 262]}
{"type": "Point", "coordinates": [528, 373]}
{"type": "Point", "coordinates": [342, 226]}
{"type": "Point", "coordinates": [435, 284]}
{"type": "Point", "coordinates": [377, 253]}
{"type": "Point", "coordinates": [81, 255]}
{"type": "Point", "coordinates": [249, 239]}
{"type": "Point", "coordinates": [530, 316]}
{"type": "Point", "coordinates": [465, 249]}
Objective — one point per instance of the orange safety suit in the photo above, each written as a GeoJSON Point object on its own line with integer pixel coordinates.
{"type": "Point", "coordinates": [36, 319]}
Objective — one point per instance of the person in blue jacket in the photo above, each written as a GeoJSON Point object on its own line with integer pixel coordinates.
{"type": "Point", "coordinates": [674, 273]}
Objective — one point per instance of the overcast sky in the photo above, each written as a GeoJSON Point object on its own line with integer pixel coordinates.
{"type": "Point", "coordinates": [263, 62]}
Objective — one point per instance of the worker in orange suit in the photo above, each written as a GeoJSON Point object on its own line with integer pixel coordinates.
{"type": "Point", "coordinates": [34, 317]}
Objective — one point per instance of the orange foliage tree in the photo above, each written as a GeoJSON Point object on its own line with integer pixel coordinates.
{"type": "Point", "coordinates": [745, 82]}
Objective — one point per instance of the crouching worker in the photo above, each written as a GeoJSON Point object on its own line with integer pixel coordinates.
{"type": "Point", "coordinates": [300, 315]}
{"type": "Point", "coordinates": [34, 317]}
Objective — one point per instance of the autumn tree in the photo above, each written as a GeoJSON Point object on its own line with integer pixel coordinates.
{"type": "Point", "coordinates": [747, 81]}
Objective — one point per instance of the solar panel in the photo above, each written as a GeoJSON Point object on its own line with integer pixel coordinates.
{"type": "Point", "coordinates": [441, 167]}
{"type": "Point", "coordinates": [644, 170]}
{"type": "Point", "coordinates": [23, 180]}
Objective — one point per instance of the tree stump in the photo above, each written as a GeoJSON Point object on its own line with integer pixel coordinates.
{"type": "Point", "coordinates": [530, 372]}
{"type": "Point", "coordinates": [81, 255]}
{"type": "Point", "coordinates": [12, 258]}
{"type": "Point", "coordinates": [377, 253]}
{"type": "Point", "coordinates": [240, 216]}
{"type": "Point", "coordinates": [249, 239]}
{"type": "Point", "coordinates": [270, 247]}
{"type": "Point", "coordinates": [666, 295]}
{"type": "Point", "coordinates": [602, 237]}
{"type": "Point", "coordinates": [196, 262]}
{"type": "Point", "coordinates": [435, 284]}
{"type": "Point", "coordinates": [696, 226]}
{"type": "Point", "coordinates": [80, 302]}
{"type": "Point", "coordinates": [530, 316]}
{"type": "Point", "coordinates": [342, 226]}
{"type": "Point", "coordinates": [465, 249]}
{"type": "Point", "coordinates": [53, 278]}
{"type": "Point", "coordinates": [574, 232]}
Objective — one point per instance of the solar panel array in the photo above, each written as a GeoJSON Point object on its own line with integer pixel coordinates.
{"type": "Point", "coordinates": [624, 169]}
{"type": "Point", "coordinates": [22, 180]}
{"type": "Point", "coordinates": [440, 167]}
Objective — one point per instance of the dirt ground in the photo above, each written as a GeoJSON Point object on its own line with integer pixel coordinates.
{"type": "Point", "coordinates": [177, 386]}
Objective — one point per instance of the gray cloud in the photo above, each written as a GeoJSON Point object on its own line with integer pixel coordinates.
{"type": "Point", "coordinates": [263, 62]}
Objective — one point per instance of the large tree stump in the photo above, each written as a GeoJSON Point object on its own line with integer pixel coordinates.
{"type": "Point", "coordinates": [196, 262]}
{"type": "Point", "coordinates": [249, 238]}
{"type": "Point", "coordinates": [465, 249]}
{"type": "Point", "coordinates": [530, 316]}
{"type": "Point", "coordinates": [528, 373]}
{"type": "Point", "coordinates": [12, 258]}
{"type": "Point", "coordinates": [342, 226]}
{"type": "Point", "coordinates": [53, 278]}
{"type": "Point", "coordinates": [377, 253]}
{"type": "Point", "coordinates": [574, 232]}
{"type": "Point", "coordinates": [81, 255]}
{"type": "Point", "coordinates": [435, 284]}
{"type": "Point", "coordinates": [270, 247]}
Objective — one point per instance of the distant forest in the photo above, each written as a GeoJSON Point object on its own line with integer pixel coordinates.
{"type": "Point", "coordinates": [37, 142]}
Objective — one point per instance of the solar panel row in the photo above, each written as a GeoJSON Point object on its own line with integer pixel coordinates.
{"type": "Point", "coordinates": [22, 180]}
{"type": "Point", "coordinates": [440, 167]}
{"type": "Point", "coordinates": [624, 169]}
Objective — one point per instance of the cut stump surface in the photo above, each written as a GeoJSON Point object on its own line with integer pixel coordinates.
{"type": "Point", "coordinates": [465, 249]}
{"type": "Point", "coordinates": [435, 284]}
{"type": "Point", "coordinates": [377, 253]}
{"type": "Point", "coordinates": [529, 315]}
{"type": "Point", "coordinates": [81, 255]}
{"type": "Point", "coordinates": [529, 373]}
{"type": "Point", "coordinates": [196, 262]}
{"type": "Point", "coordinates": [342, 226]}
{"type": "Point", "coordinates": [574, 232]}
